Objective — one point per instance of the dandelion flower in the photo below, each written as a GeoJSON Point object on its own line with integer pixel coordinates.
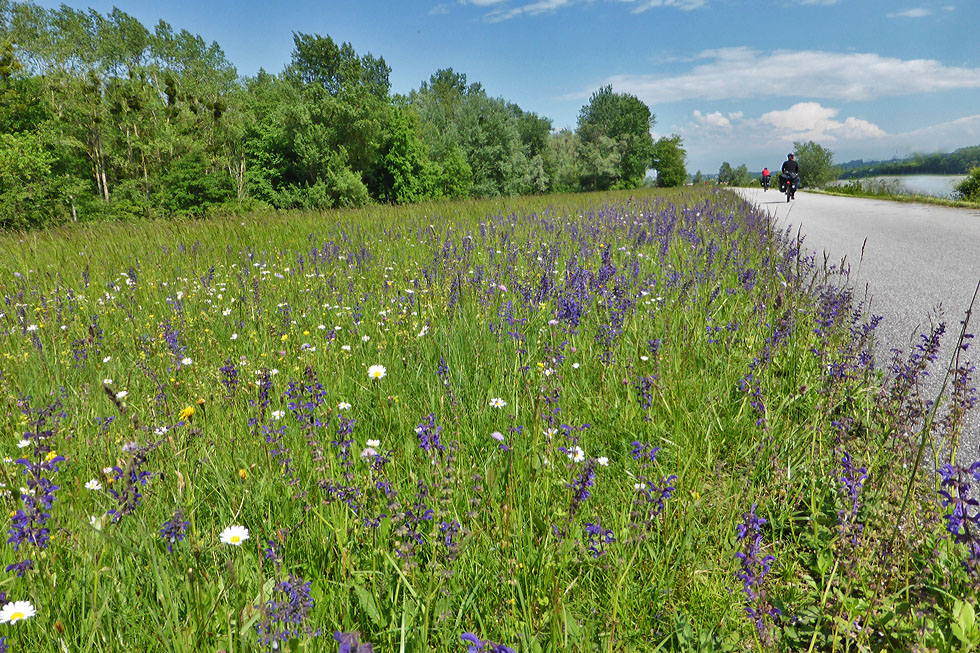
{"type": "Point", "coordinates": [377, 372]}
{"type": "Point", "coordinates": [93, 485]}
{"type": "Point", "coordinates": [497, 402]}
{"type": "Point", "coordinates": [234, 535]}
{"type": "Point", "coordinates": [16, 611]}
{"type": "Point", "coordinates": [187, 413]}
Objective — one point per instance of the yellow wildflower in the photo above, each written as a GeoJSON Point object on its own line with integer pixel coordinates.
{"type": "Point", "coordinates": [187, 413]}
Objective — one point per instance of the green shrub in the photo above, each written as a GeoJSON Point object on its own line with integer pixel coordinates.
{"type": "Point", "coordinates": [969, 188]}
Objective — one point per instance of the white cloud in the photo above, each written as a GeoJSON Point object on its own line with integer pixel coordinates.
{"type": "Point", "coordinates": [812, 121]}
{"type": "Point", "coordinates": [644, 5]}
{"type": "Point", "coordinates": [742, 73]}
{"type": "Point", "coordinates": [531, 9]}
{"type": "Point", "coordinates": [825, 3]}
{"type": "Point", "coordinates": [504, 10]}
{"type": "Point", "coordinates": [802, 121]}
{"type": "Point", "coordinates": [717, 119]}
{"type": "Point", "coordinates": [910, 13]}
{"type": "Point", "coordinates": [944, 136]}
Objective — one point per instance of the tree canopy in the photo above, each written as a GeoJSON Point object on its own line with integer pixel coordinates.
{"type": "Point", "coordinates": [816, 164]}
{"type": "Point", "coordinates": [102, 117]}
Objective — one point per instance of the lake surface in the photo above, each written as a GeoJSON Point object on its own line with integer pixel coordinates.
{"type": "Point", "coordinates": [935, 185]}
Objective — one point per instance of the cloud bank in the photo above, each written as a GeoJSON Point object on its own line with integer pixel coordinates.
{"type": "Point", "coordinates": [738, 73]}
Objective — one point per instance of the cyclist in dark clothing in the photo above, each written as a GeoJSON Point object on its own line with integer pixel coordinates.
{"type": "Point", "coordinates": [790, 175]}
{"type": "Point", "coordinates": [790, 164]}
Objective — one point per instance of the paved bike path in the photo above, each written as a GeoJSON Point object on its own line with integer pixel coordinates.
{"type": "Point", "coordinates": [917, 257]}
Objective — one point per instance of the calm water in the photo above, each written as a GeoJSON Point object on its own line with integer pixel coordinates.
{"type": "Point", "coordinates": [935, 185]}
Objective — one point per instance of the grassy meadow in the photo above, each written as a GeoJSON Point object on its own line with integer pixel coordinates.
{"type": "Point", "coordinates": [613, 422]}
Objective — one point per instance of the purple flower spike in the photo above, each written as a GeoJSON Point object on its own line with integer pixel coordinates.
{"type": "Point", "coordinates": [351, 643]}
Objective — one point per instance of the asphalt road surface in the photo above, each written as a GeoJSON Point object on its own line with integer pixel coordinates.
{"type": "Point", "coordinates": [918, 259]}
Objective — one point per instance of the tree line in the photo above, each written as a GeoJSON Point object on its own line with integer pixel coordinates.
{"type": "Point", "coordinates": [957, 162]}
{"type": "Point", "coordinates": [103, 118]}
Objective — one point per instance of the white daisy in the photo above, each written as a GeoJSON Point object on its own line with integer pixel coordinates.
{"type": "Point", "coordinates": [23, 444]}
{"type": "Point", "coordinates": [374, 443]}
{"type": "Point", "coordinates": [497, 402]}
{"type": "Point", "coordinates": [107, 359]}
{"type": "Point", "coordinates": [365, 338]}
{"type": "Point", "coordinates": [122, 394]}
{"type": "Point", "coordinates": [106, 381]}
{"type": "Point", "coordinates": [343, 406]}
{"type": "Point", "coordinates": [93, 485]}
{"type": "Point", "coordinates": [278, 414]}
{"type": "Point", "coordinates": [377, 372]}
{"type": "Point", "coordinates": [16, 611]}
{"type": "Point", "coordinates": [603, 461]}
{"type": "Point", "coordinates": [186, 361]}
{"type": "Point", "coordinates": [234, 535]}
{"type": "Point", "coordinates": [345, 347]}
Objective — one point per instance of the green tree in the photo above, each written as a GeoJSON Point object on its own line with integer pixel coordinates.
{"type": "Point", "coordinates": [698, 178]}
{"type": "Point", "coordinates": [560, 162]}
{"type": "Point", "coordinates": [407, 175]}
{"type": "Point", "coordinates": [615, 142]}
{"type": "Point", "coordinates": [726, 175]}
{"type": "Point", "coordinates": [668, 160]}
{"type": "Point", "coordinates": [741, 176]}
{"type": "Point", "coordinates": [816, 164]}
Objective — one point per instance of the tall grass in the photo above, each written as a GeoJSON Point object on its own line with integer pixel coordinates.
{"type": "Point", "coordinates": [604, 422]}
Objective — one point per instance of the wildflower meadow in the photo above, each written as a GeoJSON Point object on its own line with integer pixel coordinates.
{"type": "Point", "coordinates": [605, 422]}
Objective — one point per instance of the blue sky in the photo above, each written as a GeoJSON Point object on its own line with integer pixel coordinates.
{"type": "Point", "coordinates": [738, 80]}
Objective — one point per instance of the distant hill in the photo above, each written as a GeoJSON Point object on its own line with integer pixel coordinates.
{"type": "Point", "coordinates": [957, 162]}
